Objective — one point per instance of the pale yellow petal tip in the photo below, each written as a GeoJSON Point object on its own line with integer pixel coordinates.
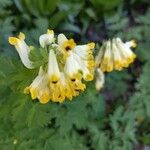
{"type": "Point", "coordinates": [34, 93]}
{"type": "Point", "coordinates": [91, 45]}
{"type": "Point", "coordinates": [50, 31]}
{"type": "Point", "coordinates": [21, 36]}
{"type": "Point", "coordinates": [99, 85]}
{"type": "Point", "coordinates": [13, 40]}
{"type": "Point", "coordinates": [89, 77]}
{"type": "Point", "coordinates": [26, 90]}
{"type": "Point", "coordinates": [133, 43]}
{"type": "Point", "coordinates": [44, 98]}
{"type": "Point", "coordinates": [109, 68]}
{"type": "Point", "coordinates": [69, 45]}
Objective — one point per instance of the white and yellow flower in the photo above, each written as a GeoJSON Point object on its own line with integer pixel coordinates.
{"type": "Point", "coordinates": [115, 55]}
{"type": "Point", "coordinates": [62, 90]}
{"type": "Point", "coordinates": [39, 87]}
{"type": "Point", "coordinates": [125, 51]}
{"type": "Point", "coordinates": [65, 45]}
{"type": "Point", "coordinates": [85, 51]}
{"type": "Point", "coordinates": [100, 79]}
{"type": "Point", "coordinates": [47, 39]}
{"type": "Point", "coordinates": [72, 68]}
{"type": "Point", "coordinates": [22, 49]}
{"type": "Point", "coordinates": [53, 69]}
{"type": "Point", "coordinates": [105, 57]}
{"type": "Point", "coordinates": [87, 74]}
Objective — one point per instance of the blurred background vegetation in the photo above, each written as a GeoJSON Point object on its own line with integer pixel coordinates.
{"type": "Point", "coordinates": [117, 118]}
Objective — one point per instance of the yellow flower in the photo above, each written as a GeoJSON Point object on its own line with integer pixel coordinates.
{"type": "Point", "coordinates": [47, 39]}
{"type": "Point", "coordinates": [115, 55]}
{"type": "Point", "coordinates": [22, 49]}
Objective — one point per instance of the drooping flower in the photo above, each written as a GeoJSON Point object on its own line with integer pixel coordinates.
{"type": "Point", "coordinates": [115, 55]}
{"type": "Point", "coordinates": [100, 79]}
{"type": "Point", "coordinates": [22, 49]}
{"type": "Point", "coordinates": [46, 39]}
{"type": "Point", "coordinates": [72, 68]}
{"type": "Point", "coordinates": [39, 87]}
{"type": "Point", "coordinates": [125, 51]}
{"type": "Point", "coordinates": [87, 74]}
{"type": "Point", "coordinates": [85, 53]}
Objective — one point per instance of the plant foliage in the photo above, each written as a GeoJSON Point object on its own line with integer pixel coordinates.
{"type": "Point", "coordinates": [117, 118]}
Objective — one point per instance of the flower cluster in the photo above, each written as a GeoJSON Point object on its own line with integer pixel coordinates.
{"type": "Point", "coordinates": [68, 65]}
{"type": "Point", "coordinates": [115, 55]}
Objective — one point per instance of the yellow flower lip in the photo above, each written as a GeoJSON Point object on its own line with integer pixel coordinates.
{"type": "Point", "coordinates": [14, 40]}
{"type": "Point", "coordinates": [91, 45]}
{"type": "Point", "coordinates": [50, 31]}
{"type": "Point", "coordinates": [44, 98]}
{"type": "Point", "coordinates": [69, 45]}
{"type": "Point", "coordinates": [133, 43]}
{"type": "Point", "coordinates": [54, 79]}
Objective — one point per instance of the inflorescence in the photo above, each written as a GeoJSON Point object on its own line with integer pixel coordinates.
{"type": "Point", "coordinates": [70, 64]}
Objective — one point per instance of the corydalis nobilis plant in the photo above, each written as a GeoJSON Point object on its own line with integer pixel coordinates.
{"type": "Point", "coordinates": [68, 66]}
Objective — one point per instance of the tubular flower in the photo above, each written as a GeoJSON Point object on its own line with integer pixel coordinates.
{"type": "Point", "coordinates": [68, 65]}
{"type": "Point", "coordinates": [22, 49]}
{"type": "Point", "coordinates": [72, 68]}
{"type": "Point", "coordinates": [84, 53]}
{"type": "Point", "coordinates": [115, 55]}
{"type": "Point", "coordinates": [65, 45]}
{"type": "Point", "coordinates": [39, 87]}
{"type": "Point", "coordinates": [53, 69]}
{"type": "Point", "coordinates": [47, 39]}
{"type": "Point", "coordinates": [100, 79]}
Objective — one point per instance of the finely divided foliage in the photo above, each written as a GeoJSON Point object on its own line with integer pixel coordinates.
{"type": "Point", "coordinates": [117, 117]}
